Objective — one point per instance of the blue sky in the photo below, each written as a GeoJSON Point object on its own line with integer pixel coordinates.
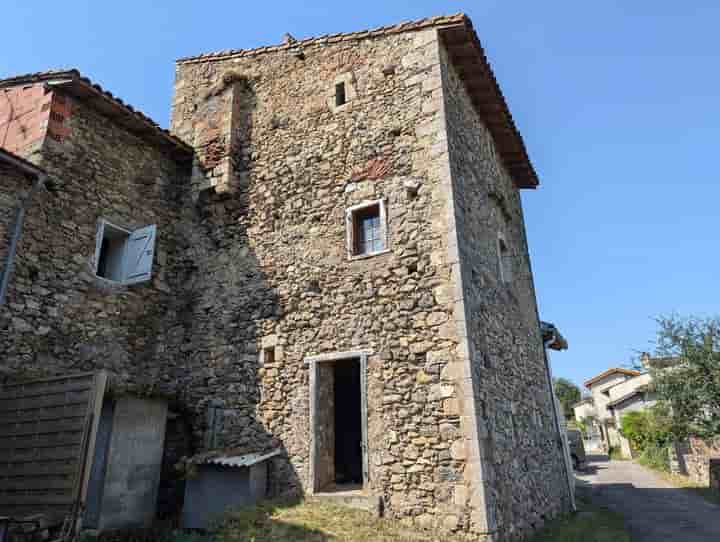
{"type": "Point", "coordinates": [618, 102]}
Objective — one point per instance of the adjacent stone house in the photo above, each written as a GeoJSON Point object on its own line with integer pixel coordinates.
{"type": "Point", "coordinates": [326, 254]}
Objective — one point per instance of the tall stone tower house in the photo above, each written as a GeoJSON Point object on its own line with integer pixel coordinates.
{"type": "Point", "coordinates": [362, 214]}
{"type": "Point", "coordinates": [341, 270]}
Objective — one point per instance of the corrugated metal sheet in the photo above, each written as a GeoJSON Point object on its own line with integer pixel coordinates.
{"type": "Point", "coordinates": [247, 460]}
{"type": "Point", "coordinates": [43, 428]}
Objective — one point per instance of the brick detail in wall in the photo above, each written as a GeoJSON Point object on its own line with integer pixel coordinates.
{"type": "Point", "coordinates": [60, 113]}
{"type": "Point", "coordinates": [377, 168]}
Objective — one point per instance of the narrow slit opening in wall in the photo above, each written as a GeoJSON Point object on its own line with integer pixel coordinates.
{"type": "Point", "coordinates": [504, 261]}
{"type": "Point", "coordinates": [340, 97]}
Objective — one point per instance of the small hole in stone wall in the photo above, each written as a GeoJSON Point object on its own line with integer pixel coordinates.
{"type": "Point", "coordinates": [51, 186]}
{"type": "Point", "coordinates": [412, 268]}
{"type": "Point", "coordinates": [486, 361]}
{"type": "Point", "coordinates": [314, 286]}
{"type": "Point", "coordinates": [340, 98]}
{"type": "Point", "coordinates": [269, 355]}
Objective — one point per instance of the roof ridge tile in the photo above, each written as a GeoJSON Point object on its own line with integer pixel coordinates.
{"type": "Point", "coordinates": [405, 26]}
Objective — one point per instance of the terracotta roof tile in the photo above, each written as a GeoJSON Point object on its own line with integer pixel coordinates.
{"type": "Point", "coordinates": [439, 20]}
{"type": "Point", "coordinates": [613, 370]}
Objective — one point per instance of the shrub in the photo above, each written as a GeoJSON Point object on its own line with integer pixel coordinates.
{"type": "Point", "coordinates": [635, 426]}
{"type": "Point", "coordinates": [650, 432]}
{"type": "Point", "coordinates": [655, 457]}
{"type": "Point", "coordinates": [615, 454]}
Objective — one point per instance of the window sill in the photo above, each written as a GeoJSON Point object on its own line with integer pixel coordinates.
{"type": "Point", "coordinates": [110, 284]}
{"type": "Point", "coordinates": [369, 255]}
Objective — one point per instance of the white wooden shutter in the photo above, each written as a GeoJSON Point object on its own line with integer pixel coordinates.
{"type": "Point", "coordinates": [99, 233]}
{"type": "Point", "coordinates": [140, 252]}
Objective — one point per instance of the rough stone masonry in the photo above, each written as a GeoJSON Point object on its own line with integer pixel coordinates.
{"type": "Point", "coordinates": [296, 159]}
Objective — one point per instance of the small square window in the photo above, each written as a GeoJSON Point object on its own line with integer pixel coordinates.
{"type": "Point", "coordinates": [366, 229]}
{"type": "Point", "coordinates": [269, 355]}
{"type": "Point", "coordinates": [340, 97]}
{"type": "Point", "coordinates": [124, 256]}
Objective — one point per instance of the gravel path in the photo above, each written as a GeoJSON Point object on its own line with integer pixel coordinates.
{"type": "Point", "coordinates": [654, 510]}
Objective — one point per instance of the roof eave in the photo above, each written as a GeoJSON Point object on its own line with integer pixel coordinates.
{"type": "Point", "coordinates": [131, 119]}
{"type": "Point", "coordinates": [21, 164]}
{"type": "Point", "coordinates": [72, 82]}
{"type": "Point", "coordinates": [609, 372]}
{"type": "Point", "coordinates": [468, 56]}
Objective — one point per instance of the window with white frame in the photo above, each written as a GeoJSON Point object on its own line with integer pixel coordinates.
{"type": "Point", "coordinates": [123, 255]}
{"type": "Point", "coordinates": [505, 263]}
{"type": "Point", "coordinates": [366, 229]}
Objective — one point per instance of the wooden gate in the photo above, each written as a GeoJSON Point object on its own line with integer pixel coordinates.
{"type": "Point", "coordinates": [46, 428]}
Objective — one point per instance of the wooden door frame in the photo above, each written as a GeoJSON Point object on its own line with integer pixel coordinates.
{"type": "Point", "coordinates": [314, 361]}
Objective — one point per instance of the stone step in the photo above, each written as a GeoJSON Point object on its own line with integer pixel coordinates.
{"type": "Point", "coordinates": [353, 499]}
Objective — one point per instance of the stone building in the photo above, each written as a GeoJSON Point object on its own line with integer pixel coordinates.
{"type": "Point", "coordinates": [326, 254]}
{"type": "Point", "coordinates": [608, 390]}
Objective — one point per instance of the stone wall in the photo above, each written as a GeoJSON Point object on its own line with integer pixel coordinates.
{"type": "Point", "coordinates": [520, 463]}
{"type": "Point", "coordinates": [15, 185]}
{"type": "Point", "coordinates": [60, 318]}
{"type": "Point", "coordinates": [697, 459]}
{"type": "Point", "coordinates": [252, 275]}
{"type": "Point", "coordinates": [269, 263]}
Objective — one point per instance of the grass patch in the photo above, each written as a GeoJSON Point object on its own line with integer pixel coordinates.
{"type": "Point", "coordinates": [316, 521]}
{"type": "Point", "coordinates": [655, 457]}
{"type": "Point", "coordinates": [591, 523]}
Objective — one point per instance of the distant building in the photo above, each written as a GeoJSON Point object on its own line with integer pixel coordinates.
{"type": "Point", "coordinates": [616, 392]}
{"type": "Point", "coordinates": [600, 386]}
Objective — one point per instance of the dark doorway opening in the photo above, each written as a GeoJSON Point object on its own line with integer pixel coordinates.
{"type": "Point", "coordinates": [348, 422]}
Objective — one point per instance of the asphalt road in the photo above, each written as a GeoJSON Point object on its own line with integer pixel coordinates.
{"type": "Point", "coordinates": [654, 510]}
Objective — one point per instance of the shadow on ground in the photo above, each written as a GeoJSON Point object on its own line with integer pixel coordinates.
{"type": "Point", "coordinates": [652, 510]}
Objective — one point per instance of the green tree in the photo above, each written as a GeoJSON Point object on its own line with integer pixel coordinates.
{"type": "Point", "coordinates": [691, 383]}
{"type": "Point", "coordinates": [568, 394]}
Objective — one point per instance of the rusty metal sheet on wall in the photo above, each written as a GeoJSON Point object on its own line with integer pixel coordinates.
{"type": "Point", "coordinates": [46, 429]}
